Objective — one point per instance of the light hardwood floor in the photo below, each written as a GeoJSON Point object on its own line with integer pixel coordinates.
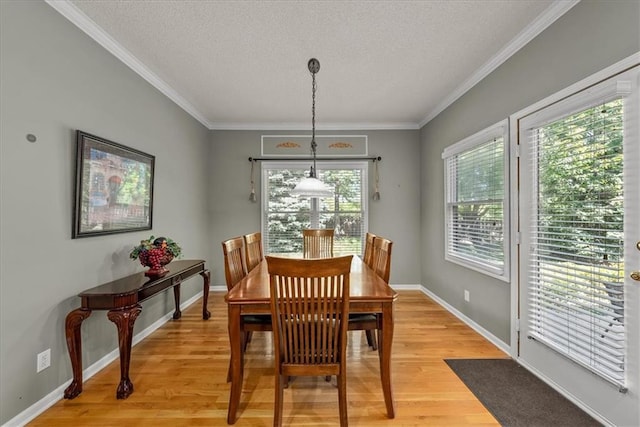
{"type": "Point", "coordinates": [179, 375]}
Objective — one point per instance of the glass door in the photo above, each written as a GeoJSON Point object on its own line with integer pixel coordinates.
{"type": "Point", "coordinates": [578, 216]}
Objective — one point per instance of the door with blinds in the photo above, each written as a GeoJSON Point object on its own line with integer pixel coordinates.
{"type": "Point", "coordinates": [579, 224]}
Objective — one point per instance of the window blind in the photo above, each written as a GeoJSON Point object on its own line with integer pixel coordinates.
{"type": "Point", "coordinates": [285, 216]}
{"type": "Point", "coordinates": [576, 273]}
{"type": "Point", "coordinates": [475, 202]}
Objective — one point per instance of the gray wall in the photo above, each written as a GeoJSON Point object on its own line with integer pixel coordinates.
{"type": "Point", "coordinates": [588, 38]}
{"type": "Point", "coordinates": [396, 215]}
{"type": "Point", "coordinates": [54, 80]}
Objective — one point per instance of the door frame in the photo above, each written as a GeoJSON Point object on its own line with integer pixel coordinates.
{"type": "Point", "coordinates": [514, 167]}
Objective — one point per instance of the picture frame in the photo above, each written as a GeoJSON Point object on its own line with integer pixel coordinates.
{"type": "Point", "coordinates": [113, 188]}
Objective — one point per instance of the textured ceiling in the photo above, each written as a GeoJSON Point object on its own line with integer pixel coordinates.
{"type": "Point", "coordinates": [243, 64]}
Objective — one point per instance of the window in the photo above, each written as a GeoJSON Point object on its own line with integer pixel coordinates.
{"type": "Point", "coordinates": [284, 216]}
{"type": "Point", "coordinates": [476, 202]}
{"type": "Point", "coordinates": [575, 279]}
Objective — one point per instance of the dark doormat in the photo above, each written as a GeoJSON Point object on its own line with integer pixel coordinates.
{"type": "Point", "coordinates": [516, 397]}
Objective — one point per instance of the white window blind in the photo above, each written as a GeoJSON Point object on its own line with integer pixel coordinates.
{"type": "Point", "coordinates": [475, 177]}
{"type": "Point", "coordinates": [285, 216]}
{"type": "Point", "coordinates": [576, 273]}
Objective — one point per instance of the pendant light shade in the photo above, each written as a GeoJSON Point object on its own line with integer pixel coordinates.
{"type": "Point", "coordinates": [312, 186]}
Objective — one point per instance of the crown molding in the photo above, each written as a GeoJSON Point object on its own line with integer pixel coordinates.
{"type": "Point", "coordinates": [305, 126]}
{"type": "Point", "coordinates": [86, 24]}
{"type": "Point", "coordinates": [546, 18]}
{"type": "Point", "coordinates": [93, 30]}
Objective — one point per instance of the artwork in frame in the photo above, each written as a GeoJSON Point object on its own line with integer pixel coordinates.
{"type": "Point", "coordinates": [114, 187]}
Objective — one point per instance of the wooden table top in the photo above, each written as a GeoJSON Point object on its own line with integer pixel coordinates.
{"type": "Point", "coordinates": [365, 286]}
{"type": "Point", "coordinates": [137, 287]}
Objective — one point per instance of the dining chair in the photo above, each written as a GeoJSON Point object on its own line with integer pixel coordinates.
{"type": "Point", "coordinates": [381, 259]}
{"type": "Point", "coordinates": [234, 271]}
{"type": "Point", "coordinates": [380, 262]}
{"type": "Point", "coordinates": [366, 321]}
{"type": "Point", "coordinates": [253, 249]}
{"type": "Point", "coordinates": [368, 248]}
{"type": "Point", "coordinates": [317, 242]}
{"type": "Point", "coordinates": [309, 311]}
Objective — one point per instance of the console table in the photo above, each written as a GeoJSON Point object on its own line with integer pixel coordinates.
{"type": "Point", "coordinates": [122, 298]}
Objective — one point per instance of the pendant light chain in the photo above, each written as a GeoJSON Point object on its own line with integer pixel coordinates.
{"type": "Point", "coordinates": [312, 187]}
{"type": "Point", "coordinates": [313, 122]}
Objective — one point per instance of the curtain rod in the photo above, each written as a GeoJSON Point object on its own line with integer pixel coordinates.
{"type": "Point", "coordinates": [305, 159]}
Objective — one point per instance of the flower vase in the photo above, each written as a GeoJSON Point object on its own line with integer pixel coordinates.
{"type": "Point", "coordinates": [155, 259]}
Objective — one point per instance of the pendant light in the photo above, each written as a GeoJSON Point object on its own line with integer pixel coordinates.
{"type": "Point", "coordinates": [312, 186]}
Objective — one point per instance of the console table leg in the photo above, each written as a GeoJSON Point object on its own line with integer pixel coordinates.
{"type": "Point", "coordinates": [73, 323]}
{"type": "Point", "coordinates": [124, 320]}
{"type": "Point", "coordinates": [176, 296]}
{"type": "Point", "coordinates": [206, 275]}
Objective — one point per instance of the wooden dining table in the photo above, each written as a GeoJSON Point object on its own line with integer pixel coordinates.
{"type": "Point", "coordinates": [368, 294]}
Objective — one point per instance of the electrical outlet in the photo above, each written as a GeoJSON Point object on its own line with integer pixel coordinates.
{"type": "Point", "coordinates": [44, 360]}
{"type": "Point", "coordinates": [466, 295]}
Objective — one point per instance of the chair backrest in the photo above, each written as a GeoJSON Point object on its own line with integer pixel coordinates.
{"type": "Point", "coordinates": [252, 250]}
{"type": "Point", "coordinates": [309, 310]}
{"type": "Point", "coordinates": [381, 259]}
{"type": "Point", "coordinates": [234, 269]}
{"type": "Point", "coordinates": [317, 243]}
{"type": "Point", "coordinates": [367, 258]}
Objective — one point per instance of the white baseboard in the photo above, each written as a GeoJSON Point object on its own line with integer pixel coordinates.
{"type": "Point", "coordinates": [473, 325]}
{"type": "Point", "coordinates": [476, 327]}
{"type": "Point", "coordinates": [504, 347]}
{"type": "Point", "coordinates": [565, 393]}
{"type": "Point", "coordinates": [49, 400]}
{"type": "Point", "coordinates": [398, 287]}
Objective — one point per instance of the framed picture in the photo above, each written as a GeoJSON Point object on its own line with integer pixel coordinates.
{"type": "Point", "coordinates": [114, 188]}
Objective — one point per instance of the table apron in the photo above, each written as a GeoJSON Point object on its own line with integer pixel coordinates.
{"type": "Point", "coordinates": [354, 307]}
{"type": "Point", "coordinates": [109, 302]}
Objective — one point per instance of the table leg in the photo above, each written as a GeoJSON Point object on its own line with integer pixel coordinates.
{"type": "Point", "coordinates": [236, 365]}
{"type": "Point", "coordinates": [205, 293]}
{"type": "Point", "coordinates": [73, 323]}
{"type": "Point", "coordinates": [124, 320]}
{"type": "Point", "coordinates": [385, 339]}
{"type": "Point", "coordinates": [176, 296]}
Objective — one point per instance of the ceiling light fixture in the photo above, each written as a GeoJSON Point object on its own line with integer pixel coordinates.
{"type": "Point", "coordinates": [312, 186]}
